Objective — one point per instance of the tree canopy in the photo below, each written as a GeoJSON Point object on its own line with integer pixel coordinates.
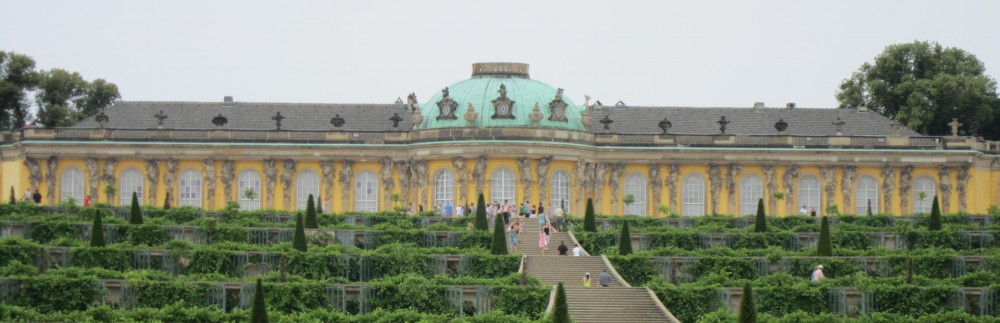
{"type": "Point", "coordinates": [61, 97]}
{"type": "Point", "coordinates": [923, 85]}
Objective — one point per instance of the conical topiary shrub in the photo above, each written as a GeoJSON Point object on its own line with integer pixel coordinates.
{"type": "Point", "coordinates": [748, 308]}
{"type": "Point", "coordinates": [760, 224]}
{"type": "Point", "coordinates": [934, 222]}
{"type": "Point", "coordinates": [481, 222]}
{"type": "Point", "coordinates": [824, 247]}
{"type": "Point", "coordinates": [258, 311]}
{"type": "Point", "coordinates": [560, 310]}
{"type": "Point", "coordinates": [135, 216]}
{"type": "Point", "coordinates": [319, 205]}
{"type": "Point", "coordinates": [299, 239]}
{"type": "Point", "coordinates": [12, 200]}
{"type": "Point", "coordinates": [499, 243]}
{"type": "Point", "coordinates": [625, 242]}
{"type": "Point", "coordinates": [97, 231]}
{"type": "Point", "coordinates": [589, 222]}
{"type": "Point", "coordinates": [311, 213]}
{"type": "Point", "coordinates": [166, 202]}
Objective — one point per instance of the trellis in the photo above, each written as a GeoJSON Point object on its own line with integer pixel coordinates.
{"type": "Point", "coordinates": [269, 262]}
{"type": "Point", "coordinates": [176, 233]}
{"type": "Point", "coordinates": [62, 261]}
{"type": "Point", "coordinates": [199, 236]}
{"type": "Point", "coordinates": [170, 263]}
{"type": "Point", "coordinates": [260, 236]}
{"type": "Point", "coordinates": [345, 237]}
{"type": "Point", "coordinates": [869, 302]}
{"type": "Point", "coordinates": [793, 243]}
{"type": "Point", "coordinates": [723, 297]}
{"type": "Point", "coordinates": [988, 302]}
{"type": "Point", "coordinates": [956, 301]}
{"type": "Point", "coordinates": [438, 264]}
{"type": "Point", "coordinates": [246, 295]}
{"type": "Point", "coordinates": [664, 267]}
{"type": "Point", "coordinates": [338, 297]}
{"type": "Point", "coordinates": [6, 229]}
{"type": "Point", "coordinates": [239, 262]}
{"type": "Point", "coordinates": [644, 242]}
{"type": "Point", "coordinates": [763, 267]}
{"type": "Point", "coordinates": [285, 235]}
{"type": "Point", "coordinates": [456, 298]}
{"type": "Point", "coordinates": [430, 239]}
{"type": "Point", "coordinates": [102, 292]}
{"type": "Point", "coordinates": [9, 289]}
{"type": "Point", "coordinates": [364, 301]}
{"type": "Point", "coordinates": [271, 217]}
{"type": "Point", "coordinates": [140, 259]}
{"type": "Point", "coordinates": [216, 295]}
{"type": "Point", "coordinates": [453, 239]}
{"type": "Point", "coordinates": [837, 299]}
{"type": "Point", "coordinates": [957, 266]}
{"type": "Point", "coordinates": [370, 240]}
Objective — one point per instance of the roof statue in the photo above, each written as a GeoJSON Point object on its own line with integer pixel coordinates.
{"type": "Point", "coordinates": [954, 124]}
{"type": "Point", "coordinates": [159, 119]}
{"type": "Point", "coordinates": [722, 124]}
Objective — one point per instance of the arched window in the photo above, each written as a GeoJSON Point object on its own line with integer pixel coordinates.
{"type": "Point", "coordinates": [560, 192]}
{"type": "Point", "coordinates": [635, 184]}
{"type": "Point", "coordinates": [72, 185]}
{"type": "Point", "coordinates": [131, 181]}
{"type": "Point", "coordinates": [865, 191]}
{"type": "Point", "coordinates": [809, 194]}
{"type": "Point", "coordinates": [306, 184]}
{"type": "Point", "coordinates": [249, 179]}
{"type": "Point", "coordinates": [190, 188]}
{"type": "Point", "coordinates": [926, 185]}
{"type": "Point", "coordinates": [751, 191]}
{"type": "Point", "coordinates": [693, 195]}
{"type": "Point", "coordinates": [366, 192]}
{"type": "Point", "coordinates": [502, 188]}
{"type": "Point", "coordinates": [444, 188]}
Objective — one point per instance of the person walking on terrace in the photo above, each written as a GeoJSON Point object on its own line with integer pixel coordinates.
{"type": "Point", "coordinates": [512, 240]}
{"type": "Point", "coordinates": [577, 251]}
{"type": "Point", "coordinates": [604, 279]}
{"type": "Point", "coordinates": [548, 232]}
{"type": "Point", "coordinates": [562, 248]}
{"type": "Point", "coordinates": [817, 274]}
{"type": "Point", "coordinates": [541, 243]}
{"type": "Point", "coordinates": [586, 280]}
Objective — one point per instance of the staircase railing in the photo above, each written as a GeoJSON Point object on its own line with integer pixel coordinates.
{"type": "Point", "coordinates": [607, 263]}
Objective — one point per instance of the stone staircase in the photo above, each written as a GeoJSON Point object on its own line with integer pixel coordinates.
{"type": "Point", "coordinates": [619, 303]}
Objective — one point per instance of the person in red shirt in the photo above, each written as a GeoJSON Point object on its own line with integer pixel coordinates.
{"type": "Point", "coordinates": [86, 201]}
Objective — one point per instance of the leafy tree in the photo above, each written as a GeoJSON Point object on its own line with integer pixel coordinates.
{"type": "Point", "coordinates": [12, 199]}
{"type": "Point", "coordinates": [481, 222]}
{"type": "Point", "coordinates": [934, 223]}
{"type": "Point", "coordinates": [625, 243]}
{"type": "Point", "coordinates": [824, 247]}
{"type": "Point", "coordinates": [64, 97]}
{"type": "Point", "coordinates": [258, 311]}
{"type": "Point", "coordinates": [299, 238]}
{"type": "Point", "coordinates": [311, 213]}
{"type": "Point", "coordinates": [97, 231]}
{"type": "Point", "coordinates": [499, 244]}
{"type": "Point", "coordinates": [760, 224]}
{"type": "Point", "coordinates": [589, 222]}
{"type": "Point", "coordinates": [560, 310]}
{"type": "Point", "coordinates": [748, 308]}
{"type": "Point", "coordinates": [924, 85]}
{"type": "Point", "coordinates": [17, 78]}
{"type": "Point", "coordinates": [135, 215]}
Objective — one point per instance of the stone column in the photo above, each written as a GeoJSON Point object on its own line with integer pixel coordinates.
{"type": "Point", "coordinates": [50, 179]}
{"type": "Point", "coordinates": [228, 175]}
{"type": "Point", "coordinates": [656, 186]}
{"type": "Point", "coordinates": [617, 170]}
{"type": "Point", "coordinates": [328, 169]}
{"type": "Point", "coordinates": [208, 175]}
{"type": "Point", "coordinates": [733, 172]}
{"type": "Point", "coordinates": [385, 174]}
{"type": "Point", "coordinates": [905, 185]}
{"type": "Point", "coordinates": [168, 180]}
{"type": "Point", "coordinates": [93, 178]}
{"type": "Point", "coordinates": [346, 175]}
{"type": "Point", "coordinates": [963, 184]}
{"type": "Point", "coordinates": [888, 185]}
{"type": "Point", "coordinates": [153, 176]}
{"type": "Point", "coordinates": [286, 182]}
{"type": "Point", "coordinates": [715, 178]}
{"type": "Point", "coordinates": [944, 180]}
{"type": "Point", "coordinates": [789, 178]}
{"type": "Point", "coordinates": [271, 176]}
{"type": "Point", "coordinates": [672, 176]}
{"type": "Point", "coordinates": [847, 187]}
{"type": "Point", "coordinates": [543, 182]}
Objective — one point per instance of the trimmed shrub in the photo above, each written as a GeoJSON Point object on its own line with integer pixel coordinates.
{"type": "Point", "coordinates": [12, 200]}
{"type": "Point", "coordinates": [589, 222]}
{"type": "Point", "coordinates": [299, 239]}
{"type": "Point", "coordinates": [824, 247]}
{"type": "Point", "coordinates": [481, 222]}
{"type": "Point", "coordinates": [135, 216]}
{"type": "Point", "coordinates": [259, 311]}
{"type": "Point", "coordinates": [498, 246]}
{"type": "Point", "coordinates": [760, 224]}
{"type": "Point", "coordinates": [934, 222]}
{"type": "Point", "coordinates": [560, 311]}
{"type": "Point", "coordinates": [748, 308]}
{"type": "Point", "coordinates": [311, 213]}
{"type": "Point", "coordinates": [97, 232]}
{"type": "Point", "coordinates": [625, 242]}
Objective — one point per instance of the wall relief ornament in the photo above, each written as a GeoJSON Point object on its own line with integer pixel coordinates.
{"type": "Point", "coordinates": [771, 177]}
{"type": "Point", "coordinates": [446, 106]}
{"type": "Point", "coordinates": [346, 176]}
{"type": "Point", "coordinates": [715, 178]}
{"type": "Point", "coordinates": [905, 185]}
{"type": "Point", "coordinates": [328, 168]}
{"type": "Point", "coordinates": [524, 171]}
{"type": "Point", "coordinates": [503, 107]}
{"type": "Point", "coordinates": [168, 180]}
{"type": "Point", "coordinates": [599, 180]}
{"type": "Point", "coordinates": [93, 178]}
{"type": "Point", "coordinates": [471, 116]}
{"type": "Point", "coordinates": [656, 185]}
{"type": "Point", "coordinates": [847, 186]}
{"type": "Point", "coordinates": [732, 174]}
{"type": "Point", "coordinates": [789, 179]}
{"type": "Point", "coordinates": [228, 176]}
{"type": "Point", "coordinates": [673, 174]}
{"type": "Point", "coordinates": [579, 175]}
{"type": "Point", "coordinates": [829, 174]}
{"type": "Point", "coordinates": [419, 170]}
{"type": "Point", "coordinates": [385, 174]}
{"type": "Point", "coordinates": [153, 177]}
{"type": "Point", "coordinates": [403, 168]}
{"type": "Point", "coordinates": [617, 171]}
{"type": "Point", "coordinates": [286, 183]}
{"type": "Point", "coordinates": [888, 185]}
{"type": "Point", "coordinates": [271, 174]}
{"type": "Point", "coordinates": [34, 173]}
{"type": "Point", "coordinates": [108, 175]}
{"type": "Point", "coordinates": [535, 115]}
{"type": "Point", "coordinates": [557, 107]}
{"type": "Point", "coordinates": [208, 174]}
{"type": "Point", "coordinates": [963, 184]}
{"type": "Point", "coordinates": [463, 178]}
{"type": "Point", "coordinates": [50, 179]}
{"type": "Point", "coordinates": [542, 171]}
{"type": "Point", "coordinates": [588, 182]}
{"type": "Point", "coordinates": [479, 173]}
{"type": "Point", "coordinates": [944, 180]}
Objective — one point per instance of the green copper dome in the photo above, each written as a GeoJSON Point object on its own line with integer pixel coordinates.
{"type": "Point", "coordinates": [501, 95]}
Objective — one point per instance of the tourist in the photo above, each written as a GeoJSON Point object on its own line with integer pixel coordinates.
{"type": "Point", "coordinates": [37, 197]}
{"type": "Point", "coordinates": [604, 279]}
{"type": "Point", "coordinates": [812, 212]}
{"type": "Point", "coordinates": [506, 211]}
{"type": "Point", "coordinates": [577, 251]}
{"type": "Point", "coordinates": [27, 196]}
{"type": "Point", "coordinates": [560, 220]}
{"type": "Point", "coordinates": [569, 224]}
{"type": "Point", "coordinates": [541, 210]}
{"type": "Point", "coordinates": [459, 211]}
{"type": "Point", "coordinates": [586, 280]}
{"type": "Point", "coordinates": [562, 248]}
{"type": "Point", "coordinates": [513, 239]}
{"type": "Point", "coordinates": [517, 227]}
{"type": "Point", "coordinates": [803, 210]}
{"type": "Point", "coordinates": [541, 221]}
{"type": "Point", "coordinates": [420, 208]}
{"type": "Point", "coordinates": [606, 225]}
{"type": "Point", "coordinates": [817, 274]}
{"type": "Point", "coordinates": [548, 233]}
{"type": "Point", "coordinates": [86, 201]}
{"type": "Point", "coordinates": [447, 209]}
{"type": "Point", "coordinates": [541, 243]}
{"type": "Point", "coordinates": [520, 226]}
{"type": "Point", "coordinates": [521, 210]}
{"type": "Point", "coordinates": [533, 211]}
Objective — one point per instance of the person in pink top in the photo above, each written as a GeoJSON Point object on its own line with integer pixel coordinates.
{"type": "Point", "coordinates": [541, 242]}
{"type": "Point", "coordinates": [817, 274]}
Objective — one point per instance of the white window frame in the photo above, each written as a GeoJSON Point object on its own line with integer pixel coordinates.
{"type": "Point", "coordinates": [366, 192]}
{"type": "Point", "coordinates": [865, 188]}
{"type": "Point", "coordinates": [502, 186]}
{"type": "Point", "coordinates": [72, 184]}
{"type": "Point", "coordinates": [927, 185]}
{"type": "Point", "coordinates": [444, 188]}
{"type": "Point", "coordinates": [751, 192]}
{"type": "Point", "coordinates": [189, 191]}
{"type": "Point", "coordinates": [306, 183]}
{"type": "Point", "coordinates": [693, 195]}
{"type": "Point", "coordinates": [635, 184]}
{"type": "Point", "coordinates": [560, 192]}
{"type": "Point", "coordinates": [249, 179]}
{"type": "Point", "coordinates": [131, 181]}
{"type": "Point", "coordinates": [809, 194]}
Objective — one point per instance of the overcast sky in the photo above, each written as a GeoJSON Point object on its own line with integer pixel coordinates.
{"type": "Point", "coordinates": [690, 53]}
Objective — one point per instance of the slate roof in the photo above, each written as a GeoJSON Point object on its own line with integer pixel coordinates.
{"type": "Point", "coordinates": [743, 121]}
{"type": "Point", "coordinates": [252, 116]}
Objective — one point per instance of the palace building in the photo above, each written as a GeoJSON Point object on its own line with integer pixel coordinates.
{"type": "Point", "coordinates": [512, 138]}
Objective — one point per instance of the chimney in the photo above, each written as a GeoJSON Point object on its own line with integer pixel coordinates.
{"type": "Point", "coordinates": [758, 106]}
{"type": "Point", "coordinates": [227, 101]}
{"type": "Point", "coordinates": [790, 105]}
{"type": "Point", "coordinates": [863, 108]}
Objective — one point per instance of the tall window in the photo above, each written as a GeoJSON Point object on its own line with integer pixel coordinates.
{"type": "Point", "coordinates": [635, 185]}
{"type": "Point", "coordinates": [693, 195]}
{"type": "Point", "coordinates": [72, 184]}
{"type": "Point", "coordinates": [502, 188]}
{"type": "Point", "coordinates": [926, 185]}
{"type": "Point", "coordinates": [249, 179]}
{"type": "Point", "coordinates": [307, 183]}
{"type": "Point", "coordinates": [131, 181]}
{"type": "Point", "coordinates": [560, 192]}
{"type": "Point", "coordinates": [444, 188]}
{"type": "Point", "coordinates": [751, 191]}
{"type": "Point", "coordinates": [366, 192]}
{"type": "Point", "coordinates": [809, 193]}
{"type": "Point", "coordinates": [865, 191]}
{"type": "Point", "coordinates": [190, 188]}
